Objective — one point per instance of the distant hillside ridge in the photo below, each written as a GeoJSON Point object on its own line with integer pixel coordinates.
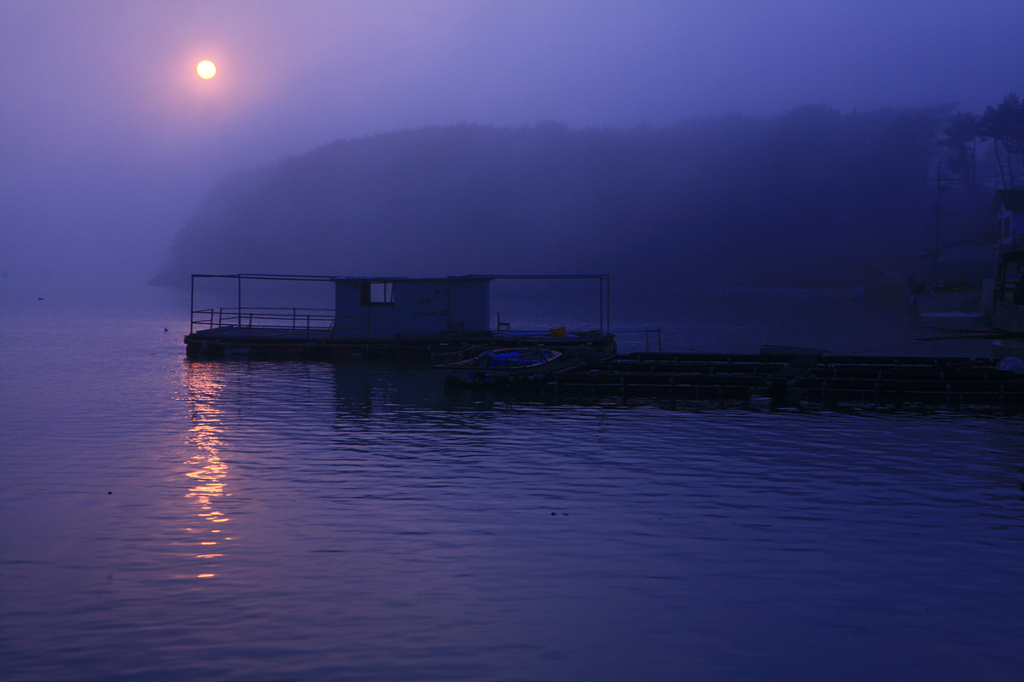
{"type": "Point", "coordinates": [804, 197]}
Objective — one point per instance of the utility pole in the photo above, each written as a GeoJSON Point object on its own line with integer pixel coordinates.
{"type": "Point", "coordinates": [938, 205]}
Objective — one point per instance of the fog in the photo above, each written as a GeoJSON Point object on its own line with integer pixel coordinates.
{"type": "Point", "coordinates": [110, 144]}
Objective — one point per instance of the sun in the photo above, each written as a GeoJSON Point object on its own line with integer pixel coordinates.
{"type": "Point", "coordinates": [206, 69]}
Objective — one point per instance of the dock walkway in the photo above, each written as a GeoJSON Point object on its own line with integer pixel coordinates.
{"type": "Point", "coordinates": [269, 343]}
{"type": "Point", "coordinates": [791, 379]}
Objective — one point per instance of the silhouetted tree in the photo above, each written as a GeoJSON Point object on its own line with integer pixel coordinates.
{"type": "Point", "coordinates": [1004, 125]}
{"type": "Point", "coordinates": [960, 136]}
{"type": "Point", "coordinates": [1013, 126]}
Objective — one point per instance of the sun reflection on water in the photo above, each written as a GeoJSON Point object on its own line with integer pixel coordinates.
{"type": "Point", "coordinates": [210, 471]}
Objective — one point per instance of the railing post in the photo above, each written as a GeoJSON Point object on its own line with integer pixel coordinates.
{"type": "Point", "coordinates": [307, 326]}
{"type": "Point", "coordinates": [293, 318]}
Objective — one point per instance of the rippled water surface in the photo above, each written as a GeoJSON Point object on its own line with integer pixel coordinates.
{"type": "Point", "coordinates": [167, 519]}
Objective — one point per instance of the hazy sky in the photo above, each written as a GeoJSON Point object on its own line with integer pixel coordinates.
{"type": "Point", "coordinates": [108, 139]}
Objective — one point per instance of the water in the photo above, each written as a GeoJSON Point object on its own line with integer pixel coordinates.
{"type": "Point", "coordinates": [167, 519]}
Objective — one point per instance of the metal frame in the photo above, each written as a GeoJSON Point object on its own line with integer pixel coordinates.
{"type": "Point", "coordinates": [604, 288]}
{"type": "Point", "coordinates": [245, 275]}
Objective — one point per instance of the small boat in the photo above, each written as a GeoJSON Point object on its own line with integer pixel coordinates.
{"type": "Point", "coordinates": [501, 366]}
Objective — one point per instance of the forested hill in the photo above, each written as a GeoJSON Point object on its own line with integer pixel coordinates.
{"type": "Point", "coordinates": [799, 199]}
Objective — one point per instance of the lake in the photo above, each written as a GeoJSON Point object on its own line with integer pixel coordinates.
{"type": "Point", "coordinates": [163, 519]}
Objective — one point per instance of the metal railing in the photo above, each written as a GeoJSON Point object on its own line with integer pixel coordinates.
{"type": "Point", "coordinates": [319, 319]}
{"type": "Point", "coordinates": [604, 291]}
{"type": "Point", "coordinates": [307, 320]}
{"type": "Point", "coordinates": [651, 336]}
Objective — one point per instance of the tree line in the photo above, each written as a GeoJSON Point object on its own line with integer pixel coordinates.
{"type": "Point", "coordinates": [1002, 127]}
{"type": "Point", "coordinates": [805, 198]}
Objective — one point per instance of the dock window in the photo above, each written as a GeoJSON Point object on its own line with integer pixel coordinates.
{"type": "Point", "coordinates": [377, 293]}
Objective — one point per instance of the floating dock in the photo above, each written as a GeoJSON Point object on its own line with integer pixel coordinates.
{"type": "Point", "coordinates": [450, 318]}
{"type": "Point", "coordinates": [390, 317]}
{"type": "Point", "coordinates": [792, 376]}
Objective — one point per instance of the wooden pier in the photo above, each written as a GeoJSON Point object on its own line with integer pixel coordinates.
{"type": "Point", "coordinates": [789, 379]}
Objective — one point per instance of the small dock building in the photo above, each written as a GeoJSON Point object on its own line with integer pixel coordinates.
{"type": "Point", "coordinates": [390, 316]}
{"type": "Point", "coordinates": [389, 309]}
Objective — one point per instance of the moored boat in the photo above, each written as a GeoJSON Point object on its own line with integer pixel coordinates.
{"type": "Point", "coordinates": [500, 366]}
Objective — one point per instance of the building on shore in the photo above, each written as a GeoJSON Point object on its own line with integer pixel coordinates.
{"type": "Point", "coordinates": [1008, 211]}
